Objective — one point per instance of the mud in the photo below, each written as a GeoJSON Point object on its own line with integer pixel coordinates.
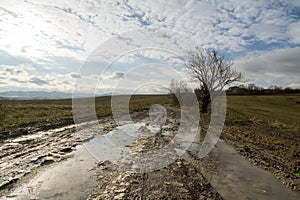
{"type": "Point", "coordinates": [234, 177]}
{"type": "Point", "coordinates": [223, 173]}
{"type": "Point", "coordinates": [162, 175]}
{"type": "Point", "coordinates": [75, 178]}
{"type": "Point", "coordinates": [24, 155]}
{"type": "Point", "coordinates": [122, 167]}
{"type": "Point", "coordinates": [268, 149]}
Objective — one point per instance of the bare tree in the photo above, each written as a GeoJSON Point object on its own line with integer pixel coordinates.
{"type": "Point", "coordinates": [179, 89]}
{"type": "Point", "coordinates": [212, 71]}
{"type": "Point", "coordinates": [178, 86]}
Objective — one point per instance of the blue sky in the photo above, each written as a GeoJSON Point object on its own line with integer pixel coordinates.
{"type": "Point", "coordinates": [123, 45]}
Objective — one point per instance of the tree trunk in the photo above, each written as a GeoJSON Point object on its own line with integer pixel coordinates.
{"type": "Point", "coordinates": [203, 95]}
{"type": "Point", "coordinates": [204, 107]}
{"type": "Point", "coordinates": [205, 102]}
{"type": "Point", "coordinates": [205, 99]}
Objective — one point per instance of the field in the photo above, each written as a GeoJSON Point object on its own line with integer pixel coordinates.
{"type": "Point", "coordinates": [19, 117]}
{"type": "Point", "coordinates": [280, 113]}
{"type": "Point", "coordinates": [264, 129]}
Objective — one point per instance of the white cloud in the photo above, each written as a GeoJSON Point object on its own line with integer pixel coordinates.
{"type": "Point", "coordinates": [27, 77]}
{"type": "Point", "coordinates": [294, 85]}
{"type": "Point", "coordinates": [75, 75]}
{"type": "Point", "coordinates": [75, 28]}
{"type": "Point", "coordinates": [294, 32]}
{"type": "Point", "coordinates": [38, 81]}
{"type": "Point", "coordinates": [280, 65]}
{"type": "Point", "coordinates": [45, 31]}
{"type": "Point", "coordinates": [114, 75]}
{"type": "Point", "coordinates": [265, 32]}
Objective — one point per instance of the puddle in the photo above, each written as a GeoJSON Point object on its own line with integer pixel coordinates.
{"type": "Point", "coordinates": [75, 178]}
{"type": "Point", "coordinates": [114, 144]}
{"type": "Point", "coordinates": [235, 178]}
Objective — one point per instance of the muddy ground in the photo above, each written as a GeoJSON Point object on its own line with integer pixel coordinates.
{"type": "Point", "coordinates": [22, 156]}
{"type": "Point", "coordinates": [162, 175]}
{"type": "Point", "coordinates": [183, 179]}
{"type": "Point", "coordinates": [268, 149]}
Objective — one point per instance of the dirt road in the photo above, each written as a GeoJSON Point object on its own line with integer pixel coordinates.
{"type": "Point", "coordinates": [148, 163]}
{"type": "Point", "coordinates": [223, 173]}
{"type": "Point", "coordinates": [25, 155]}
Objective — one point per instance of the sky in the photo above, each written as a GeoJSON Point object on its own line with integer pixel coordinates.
{"type": "Point", "coordinates": [122, 46]}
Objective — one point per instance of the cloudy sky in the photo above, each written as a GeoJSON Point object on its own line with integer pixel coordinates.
{"type": "Point", "coordinates": [123, 45]}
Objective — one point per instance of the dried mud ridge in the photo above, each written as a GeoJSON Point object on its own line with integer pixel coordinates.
{"type": "Point", "coordinates": [124, 179]}
{"type": "Point", "coordinates": [22, 156]}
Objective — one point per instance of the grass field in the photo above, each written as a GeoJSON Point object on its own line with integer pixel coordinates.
{"type": "Point", "coordinates": [16, 116]}
{"type": "Point", "coordinates": [281, 112]}
{"type": "Point", "coordinates": [266, 130]}
{"type": "Point", "coordinates": [275, 112]}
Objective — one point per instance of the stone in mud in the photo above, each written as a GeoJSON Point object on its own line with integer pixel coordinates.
{"type": "Point", "coordinates": [183, 190]}
{"type": "Point", "coordinates": [124, 184]}
{"type": "Point", "coordinates": [121, 190]}
{"type": "Point", "coordinates": [120, 196]}
{"type": "Point", "coordinates": [104, 164]}
{"type": "Point", "coordinates": [177, 184]}
{"type": "Point", "coordinates": [49, 158]}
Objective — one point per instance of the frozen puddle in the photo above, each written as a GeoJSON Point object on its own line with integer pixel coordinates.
{"type": "Point", "coordinates": [235, 178]}
{"type": "Point", "coordinates": [74, 178]}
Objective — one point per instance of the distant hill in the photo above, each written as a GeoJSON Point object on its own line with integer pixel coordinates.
{"type": "Point", "coordinates": [3, 98]}
{"type": "Point", "coordinates": [40, 95]}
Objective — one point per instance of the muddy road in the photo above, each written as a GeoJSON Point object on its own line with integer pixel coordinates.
{"type": "Point", "coordinates": [27, 154]}
{"type": "Point", "coordinates": [222, 174]}
{"type": "Point", "coordinates": [133, 161]}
